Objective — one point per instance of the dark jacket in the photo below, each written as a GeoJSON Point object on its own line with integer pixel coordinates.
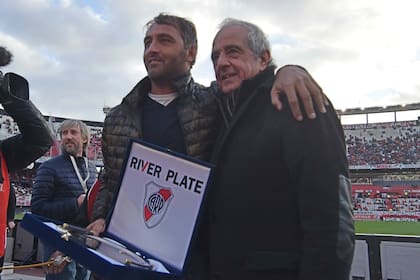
{"type": "Point", "coordinates": [57, 188]}
{"type": "Point", "coordinates": [22, 149]}
{"type": "Point", "coordinates": [198, 117]}
{"type": "Point", "coordinates": [34, 138]}
{"type": "Point", "coordinates": [279, 207]}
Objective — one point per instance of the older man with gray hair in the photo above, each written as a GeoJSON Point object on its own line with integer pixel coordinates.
{"type": "Point", "coordinates": [280, 204]}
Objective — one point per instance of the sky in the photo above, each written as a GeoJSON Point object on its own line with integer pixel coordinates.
{"type": "Point", "coordinates": [80, 56]}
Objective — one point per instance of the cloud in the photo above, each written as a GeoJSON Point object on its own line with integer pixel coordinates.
{"type": "Point", "coordinates": [81, 55]}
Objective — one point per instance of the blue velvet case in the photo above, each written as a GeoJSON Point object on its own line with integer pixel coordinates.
{"type": "Point", "coordinates": [155, 214]}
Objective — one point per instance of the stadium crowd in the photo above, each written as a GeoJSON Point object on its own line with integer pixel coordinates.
{"type": "Point", "coordinates": [367, 144]}
{"type": "Point", "coordinates": [7, 127]}
{"type": "Point", "coordinates": [393, 203]}
{"type": "Point", "coordinates": [383, 143]}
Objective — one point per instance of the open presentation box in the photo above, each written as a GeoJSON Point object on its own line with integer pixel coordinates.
{"type": "Point", "coordinates": [154, 215]}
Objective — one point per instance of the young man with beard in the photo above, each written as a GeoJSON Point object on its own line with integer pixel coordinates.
{"type": "Point", "coordinates": [60, 188]}
{"type": "Point", "coordinates": [280, 203]}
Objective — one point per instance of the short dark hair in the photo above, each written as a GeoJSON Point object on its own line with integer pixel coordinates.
{"type": "Point", "coordinates": [185, 27]}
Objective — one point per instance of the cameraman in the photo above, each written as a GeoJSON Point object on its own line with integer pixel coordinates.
{"type": "Point", "coordinates": [18, 151]}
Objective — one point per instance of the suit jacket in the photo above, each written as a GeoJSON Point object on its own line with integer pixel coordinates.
{"type": "Point", "coordinates": [280, 204]}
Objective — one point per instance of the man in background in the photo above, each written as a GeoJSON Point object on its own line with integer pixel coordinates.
{"type": "Point", "coordinates": [18, 151]}
{"type": "Point", "coordinates": [59, 191]}
{"type": "Point", "coordinates": [280, 204]}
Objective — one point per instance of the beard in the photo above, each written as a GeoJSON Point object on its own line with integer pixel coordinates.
{"type": "Point", "coordinates": [73, 149]}
{"type": "Point", "coordinates": [170, 69]}
{"type": "Point", "coordinates": [166, 74]}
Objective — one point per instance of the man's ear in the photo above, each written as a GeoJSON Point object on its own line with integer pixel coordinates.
{"type": "Point", "coordinates": [265, 59]}
{"type": "Point", "coordinates": [192, 54]}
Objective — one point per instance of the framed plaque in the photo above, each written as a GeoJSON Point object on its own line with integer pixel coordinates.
{"type": "Point", "coordinates": [154, 217]}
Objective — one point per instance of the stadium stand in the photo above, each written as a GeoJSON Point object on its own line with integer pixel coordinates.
{"type": "Point", "coordinates": [383, 144]}
{"type": "Point", "coordinates": [397, 203]}
{"type": "Point", "coordinates": [385, 150]}
{"type": "Point", "coordinates": [384, 167]}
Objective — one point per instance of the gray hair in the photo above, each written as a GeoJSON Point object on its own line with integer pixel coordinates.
{"type": "Point", "coordinates": [84, 131]}
{"type": "Point", "coordinates": [257, 40]}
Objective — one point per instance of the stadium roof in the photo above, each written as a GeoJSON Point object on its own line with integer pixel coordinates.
{"type": "Point", "coordinates": [351, 111]}
{"type": "Point", "coordinates": [370, 110]}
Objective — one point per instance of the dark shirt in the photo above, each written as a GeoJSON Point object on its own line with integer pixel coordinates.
{"type": "Point", "coordinates": [161, 125]}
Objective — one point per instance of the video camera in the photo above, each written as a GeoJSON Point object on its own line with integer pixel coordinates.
{"type": "Point", "coordinates": [11, 85]}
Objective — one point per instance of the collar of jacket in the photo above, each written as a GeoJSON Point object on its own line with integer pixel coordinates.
{"type": "Point", "coordinates": [67, 155]}
{"type": "Point", "coordinates": [137, 94]}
